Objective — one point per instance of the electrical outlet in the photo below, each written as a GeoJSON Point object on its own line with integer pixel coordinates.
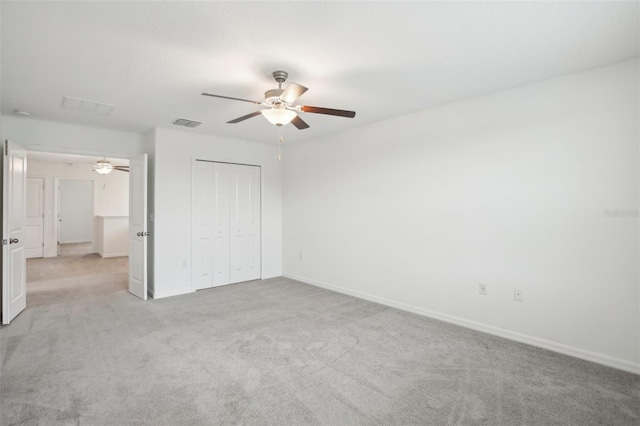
{"type": "Point", "coordinates": [482, 288]}
{"type": "Point", "coordinates": [517, 295]}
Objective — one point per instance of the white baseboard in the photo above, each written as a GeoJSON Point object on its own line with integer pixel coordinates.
{"type": "Point", "coordinates": [106, 255]}
{"type": "Point", "coordinates": [268, 276]}
{"type": "Point", "coordinates": [171, 293]}
{"type": "Point", "coordinates": [609, 361]}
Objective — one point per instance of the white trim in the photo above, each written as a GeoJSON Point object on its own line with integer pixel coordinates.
{"type": "Point", "coordinates": [272, 275]}
{"type": "Point", "coordinates": [121, 254]}
{"type": "Point", "coordinates": [171, 293]}
{"type": "Point", "coordinates": [191, 202]}
{"type": "Point", "coordinates": [609, 361]}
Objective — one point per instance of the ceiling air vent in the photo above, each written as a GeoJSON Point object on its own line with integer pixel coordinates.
{"type": "Point", "coordinates": [186, 123]}
{"type": "Point", "coordinates": [86, 106]}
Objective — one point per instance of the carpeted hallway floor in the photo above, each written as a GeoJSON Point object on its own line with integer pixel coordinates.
{"type": "Point", "coordinates": [274, 352]}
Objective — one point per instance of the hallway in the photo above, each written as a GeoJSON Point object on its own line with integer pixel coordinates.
{"type": "Point", "coordinates": [61, 279]}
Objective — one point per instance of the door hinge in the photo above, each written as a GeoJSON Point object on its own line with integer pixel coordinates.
{"type": "Point", "coordinates": [4, 242]}
{"type": "Point", "coordinates": [6, 148]}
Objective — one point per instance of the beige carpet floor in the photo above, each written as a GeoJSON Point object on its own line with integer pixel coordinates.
{"type": "Point", "coordinates": [274, 352]}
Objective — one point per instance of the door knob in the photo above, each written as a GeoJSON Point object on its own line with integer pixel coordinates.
{"type": "Point", "coordinates": [139, 234]}
{"type": "Point", "coordinates": [14, 241]}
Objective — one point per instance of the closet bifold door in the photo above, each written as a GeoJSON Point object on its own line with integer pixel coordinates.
{"type": "Point", "coordinates": [225, 224]}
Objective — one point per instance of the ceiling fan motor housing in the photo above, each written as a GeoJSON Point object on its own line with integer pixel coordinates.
{"type": "Point", "coordinates": [272, 97]}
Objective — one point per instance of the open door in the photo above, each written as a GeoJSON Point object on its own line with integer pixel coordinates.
{"type": "Point", "coordinates": [138, 226]}
{"type": "Point", "coordinates": [14, 203]}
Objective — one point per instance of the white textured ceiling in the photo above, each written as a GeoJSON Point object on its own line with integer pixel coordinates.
{"type": "Point", "coordinates": [151, 60]}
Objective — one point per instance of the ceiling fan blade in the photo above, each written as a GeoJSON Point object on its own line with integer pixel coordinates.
{"type": "Point", "coordinates": [244, 117]}
{"type": "Point", "coordinates": [299, 123]}
{"type": "Point", "coordinates": [121, 168]}
{"type": "Point", "coordinates": [328, 111]}
{"type": "Point", "coordinates": [292, 92]}
{"type": "Point", "coordinates": [233, 99]}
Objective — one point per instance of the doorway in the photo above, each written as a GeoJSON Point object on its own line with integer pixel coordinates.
{"type": "Point", "coordinates": [14, 194]}
{"type": "Point", "coordinates": [34, 243]}
{"type": "Point", "coordinates": [82, 213]}
{"type": "Point", "coordinates": [75, 199]}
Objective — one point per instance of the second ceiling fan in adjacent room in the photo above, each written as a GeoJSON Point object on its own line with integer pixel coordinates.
{"type": "Point", "coordinates": [104, 167]}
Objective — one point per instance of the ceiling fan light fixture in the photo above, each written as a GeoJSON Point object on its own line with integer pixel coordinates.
{"type": "Point", "coordinates": [103, 167]}
{"type": "Point", "coordinates": [282, 102]}
{"type": "Point", "coordinates": [279, 117]}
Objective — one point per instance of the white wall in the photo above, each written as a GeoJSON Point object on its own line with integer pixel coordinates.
{"type": "Point", "coordinates": [173, 154]}
{"type": "Point", "coordinates": [112, 236]}
{"type": "Point", "coordinates": [111, 193]}
{"type": "Point", "coordinates": [38, 135]}
{"type": "Point", "coordinates": [508, 189]}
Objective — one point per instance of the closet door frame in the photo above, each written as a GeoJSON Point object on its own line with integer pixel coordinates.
{"type": "Point", "coordinates": [196, 282]}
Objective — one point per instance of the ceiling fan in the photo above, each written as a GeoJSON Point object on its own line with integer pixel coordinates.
{"type": "Point", "coordinates": [281, 101]}
{"type": "Point", "coordinates": [104, 167]}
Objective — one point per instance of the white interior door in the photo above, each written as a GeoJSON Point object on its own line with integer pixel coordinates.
{"type": "Point", "coordinates": [34, 244]}
{"type": "Point", "coordinates": [226, 224]}
{"type": "Point", "coordinates": [138, 226]}
{"type": "Point", "coordinates": [14, 203]}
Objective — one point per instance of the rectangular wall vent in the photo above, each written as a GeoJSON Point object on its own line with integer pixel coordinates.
{"type": "Point", "coordinates": [86, 106]}
{"type": "Point", "coordinates": [186, 123]}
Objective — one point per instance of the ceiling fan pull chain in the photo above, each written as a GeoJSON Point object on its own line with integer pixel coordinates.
{"type": "Point", "coordinates": [280, 144]}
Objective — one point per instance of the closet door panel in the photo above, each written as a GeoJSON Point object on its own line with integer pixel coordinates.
{"type": "Point", "coordinates": [254, 264]}
{"type": "Point", "coordinates": [202, 225]}
{"type": "Point", "coordinates": [245, 224]}
{"type": "Point", "coordinates": [238, 236]}
{"type": "Point", "coordinates": [221, 215]}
